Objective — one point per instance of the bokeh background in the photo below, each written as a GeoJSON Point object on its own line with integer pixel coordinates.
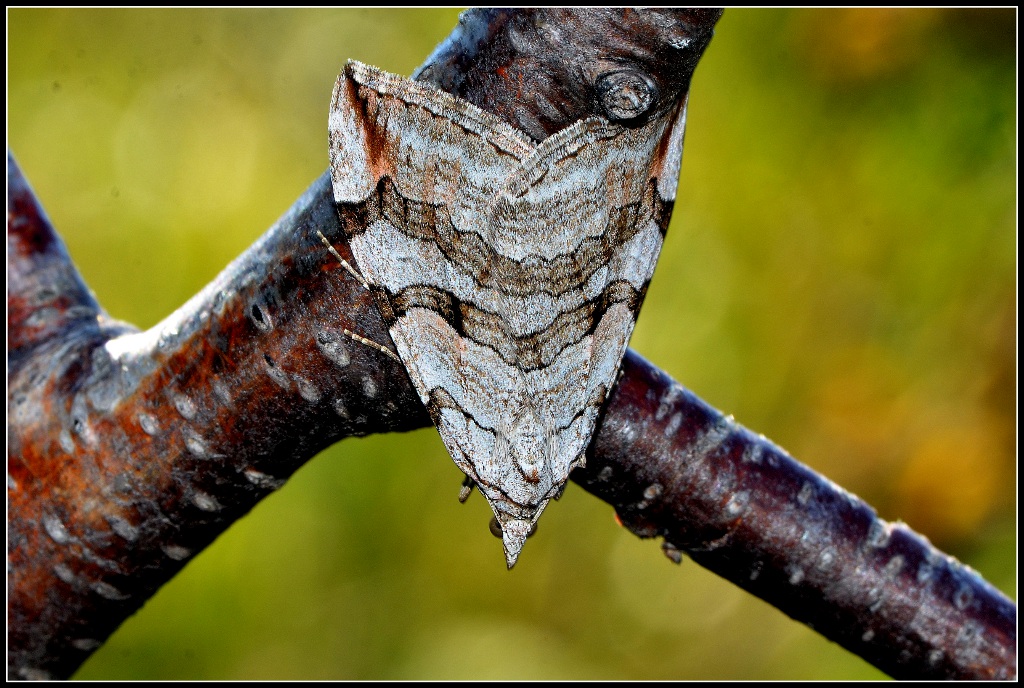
{"type": "Point", "coordinates": [840, 275]}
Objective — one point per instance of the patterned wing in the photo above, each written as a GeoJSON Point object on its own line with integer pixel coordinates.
{"type": "Point", "coordinates": [510, 274]}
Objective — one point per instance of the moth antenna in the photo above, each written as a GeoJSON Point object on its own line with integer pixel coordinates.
{"type": "Point", "coordinates": [344, 263]}
{"type": "Point", "coordinates": [372, 344]}
{"type": "Point", "coordinates": [362, 280]}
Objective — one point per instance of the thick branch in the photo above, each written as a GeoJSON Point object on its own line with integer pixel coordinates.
{"type": "Point", "coordinates": [129, 452]}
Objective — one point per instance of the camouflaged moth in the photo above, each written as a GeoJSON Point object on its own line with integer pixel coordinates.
{"type": "Point", "coordinates": [509, 272]}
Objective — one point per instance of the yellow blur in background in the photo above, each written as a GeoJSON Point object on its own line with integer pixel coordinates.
{"type": "Point", "coordinates": [840, 275]}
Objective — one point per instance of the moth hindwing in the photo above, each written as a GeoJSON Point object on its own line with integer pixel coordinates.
{"type": "Point", "coordinates": [510, 272]}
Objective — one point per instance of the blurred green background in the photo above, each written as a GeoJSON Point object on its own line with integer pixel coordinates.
{"type": "Point", "coordinates": [840, 275]}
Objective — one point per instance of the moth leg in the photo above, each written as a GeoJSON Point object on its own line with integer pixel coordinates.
{"type": "Point", "coordinates": [467, 488]}
{"type": "Point", "coordinates": [362, 280]}
{"type": "Point", "coordinates": [344, 263]}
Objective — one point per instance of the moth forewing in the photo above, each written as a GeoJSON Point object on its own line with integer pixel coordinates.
{"type": "Point", "coordinates": [510, 273]}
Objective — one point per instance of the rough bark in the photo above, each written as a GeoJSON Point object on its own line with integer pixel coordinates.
{"type": "Point", "coordinates": [131, 451]}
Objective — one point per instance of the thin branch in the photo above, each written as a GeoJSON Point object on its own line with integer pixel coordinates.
{"type": "Point", "coordinates": [131, 451]}
{"type": "Point", "coordinates": [742, 507]}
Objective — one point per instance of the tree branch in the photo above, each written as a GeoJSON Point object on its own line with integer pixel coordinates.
{"type": "Point", "coordinates": [130, 451]}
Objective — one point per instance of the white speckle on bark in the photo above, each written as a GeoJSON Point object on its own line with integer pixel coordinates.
{"type": "Point", "coordinates": [878, 534]}
{"type": "Point", "coordinates": [262, 479]}
{"type": "Point", "coordinates": [55, 529]}
{"type": "Point", "coordinates": [86, 644]}
{"type": "Point", "coordinates": [176, 552]}
{"type": "Point", "coordinates": [104, 589]}
{"type": "Point", "coordinates": [206, 502]}
{"type": "Point", "coordinates": [67, 443]}
{"type": "Point", "coordinates": [333, 347]}
{"type": "Point", "coordinates": [340, 408]}
{"type": "Point", "coordinates": [149, 424]}
{"type": "Point", "coordinates": [64, 573]}
{"type": "Point", "coordinates": [806, 493]}
{"type": "Point", "coordinates": [307, 390]}
{"type": "Point", "coordinates": [123, 528]}
{"type": "Point", "coordinates": [222, 392]}
{"type": "Point", "coordinates": [673, 424]}
{"type": "Point", "coordinates": [737, 504]}
{"type": "Point", "coordinates": [185, 406]}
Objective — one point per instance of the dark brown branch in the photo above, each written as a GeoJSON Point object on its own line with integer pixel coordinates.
{"type": "Point", "coordinates": [129, 452]}
{"type": "Point", "coordinates": [742, 507]}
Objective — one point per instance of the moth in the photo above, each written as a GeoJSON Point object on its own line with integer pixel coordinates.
{"type": "Point", "coordinates": [509, 272]}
